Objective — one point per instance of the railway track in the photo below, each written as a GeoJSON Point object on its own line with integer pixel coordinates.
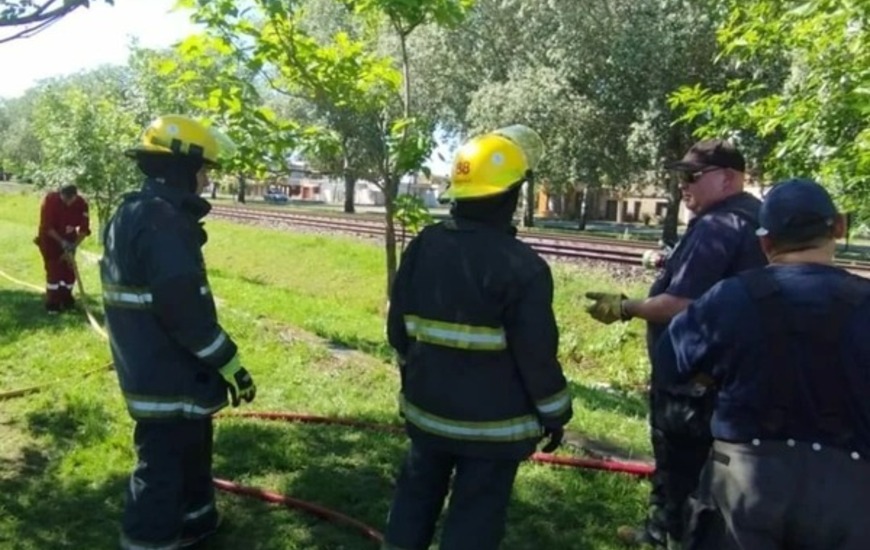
{"type": "Point", "coordinates": [544, 244]}
{"type": "Point", "coordinates": [557, 245]}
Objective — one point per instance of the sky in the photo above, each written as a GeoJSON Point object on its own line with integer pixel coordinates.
{"type": "Point", "coordinates": [101, 34]}
{"type": "Point", "coordinates": [87, 38]}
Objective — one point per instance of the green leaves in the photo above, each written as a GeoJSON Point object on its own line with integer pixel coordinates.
{"type": "Point", "coordinates": [807, 94]}
{"type": "Point", "coordinates": [409, 14]}
{"type": "Point", "coordinates": [84, 124]}
{"type": "Point", "coordinates": [410, 141]}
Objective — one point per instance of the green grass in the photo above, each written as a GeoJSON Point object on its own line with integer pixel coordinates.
{"type": "Point", "coordinates": [307, 312]}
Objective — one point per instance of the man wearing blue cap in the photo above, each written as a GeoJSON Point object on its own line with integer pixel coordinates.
{"type": "Point", "coordinates": [788, 350]}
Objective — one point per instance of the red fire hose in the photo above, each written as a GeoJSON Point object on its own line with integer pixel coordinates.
{"type": "Point", "coordinates": [290, 502]}
{"type": "Point", "coordinates": [635, 468]}
{"type": "Point", "coordinates": [639, 469]}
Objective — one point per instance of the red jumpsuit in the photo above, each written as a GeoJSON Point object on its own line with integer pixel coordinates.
{"type": "Point", "coordinates": [69, 221]}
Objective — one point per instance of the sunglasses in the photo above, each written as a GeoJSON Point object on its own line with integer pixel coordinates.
{"type": "Point", "coordinates": [692, 177]}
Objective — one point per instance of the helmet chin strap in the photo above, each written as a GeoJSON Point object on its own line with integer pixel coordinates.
{"type": "Point", "coordinates": [495, 210]}
{"type": "Point", "coordinates": [172, 170]}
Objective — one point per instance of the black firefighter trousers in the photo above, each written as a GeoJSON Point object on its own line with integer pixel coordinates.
{"type": "Point", "coordinates": [478, 502]}
{"type": "Point", "coordinates": [170, 496]}
{"type": "Point", "coordinates": [680, 456]}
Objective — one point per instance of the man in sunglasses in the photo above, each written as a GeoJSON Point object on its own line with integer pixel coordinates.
{"type": "Point", "coordinates": [719, 242]}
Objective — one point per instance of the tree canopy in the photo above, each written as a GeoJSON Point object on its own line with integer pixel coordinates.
{"type": "Point", "coordinates": [804, 90]}
{"type": "Point", "coordinates": [359, 88]}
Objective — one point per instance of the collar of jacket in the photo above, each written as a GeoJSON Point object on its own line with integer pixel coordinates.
{"type": "Point", "coordinates": [185, 201]}
{"type": "Point", "coordinates": [464, 224]}
{"type": "Point", "coordinates": [726, 203]}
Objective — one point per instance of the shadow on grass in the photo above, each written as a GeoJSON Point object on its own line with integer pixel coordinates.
{"type": "Point", "coordinates": [572, 509]}
{"type": "Point", "coordinates": [44, 504]}
{"type": "Point", "coordinates": [379, 349]}
{"type": "Point", "coordinates": [43, 511]}
{"type": "Point", "coordinates": [348, 470]}
{"type": "Point", "coordinates": [353, 472]}
{"type": "Point", "coordinates": [50, 512]}
{"type": "Point", "coordinates": [96, 308]}
{"type": "Point", "coordinates": [627, 404]}
{"type": "Point", "coordinates": [22, 311]}
{"type": "Point", "coordinates": [256, 281]}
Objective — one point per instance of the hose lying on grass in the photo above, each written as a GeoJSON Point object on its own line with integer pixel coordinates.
{"type": "Point", "coordinates": [634, 468]}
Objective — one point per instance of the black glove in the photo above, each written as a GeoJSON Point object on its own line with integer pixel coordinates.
{"type": "Point", "coordinates": [555, 435]}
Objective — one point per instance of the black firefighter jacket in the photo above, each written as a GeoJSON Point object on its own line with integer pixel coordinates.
{"type": "Point", "coordinates": [165, 338]}
{"type": "Point", "coordinates": [472, 320]}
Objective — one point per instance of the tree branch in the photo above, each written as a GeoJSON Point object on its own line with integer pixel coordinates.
{"type": "Point", "coordinates": [39, 20]}
{"type": "Point", "coordinates": [40, 15]}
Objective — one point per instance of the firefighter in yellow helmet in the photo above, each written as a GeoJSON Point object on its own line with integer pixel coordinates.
{"type": "Point", "coordinates": [176, 365]}
{"type": "Point", "coordinates": [472, 322]}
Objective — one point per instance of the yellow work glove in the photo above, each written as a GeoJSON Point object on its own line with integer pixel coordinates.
{"type": "Point", "coordinates": [606, 308]}
{"type": "Point", "coordinates": [239, 382]}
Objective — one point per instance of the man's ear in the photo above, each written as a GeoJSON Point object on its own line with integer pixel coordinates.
{"type": "Point", "coordinates": [731, 181]}
{"type": "Point", "coordinates": [839, 226]}
{"type": "Point", "coordinates": [766, 246]}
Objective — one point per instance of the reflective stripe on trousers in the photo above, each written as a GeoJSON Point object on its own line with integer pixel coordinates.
{"type": "Point", "coordinates": [129, 544]}
{"type": "Point", "coordinates": [152, 407]}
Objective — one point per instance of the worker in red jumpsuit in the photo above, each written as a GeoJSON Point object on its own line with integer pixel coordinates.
{"type": "Point", "coordinates": [63, 224]}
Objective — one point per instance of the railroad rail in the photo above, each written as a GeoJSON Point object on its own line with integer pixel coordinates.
{"type": "Point", "coordinates": [577, 247]}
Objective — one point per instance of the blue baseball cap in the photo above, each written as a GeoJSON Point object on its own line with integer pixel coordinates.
{"type": "Point", "coordinates": [796, 209]}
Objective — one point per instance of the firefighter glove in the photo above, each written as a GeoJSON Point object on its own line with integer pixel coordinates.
{"type": "Point", "coordinates": [239, 382]}
{"type": "Point", "coordinates": [607, 308]}
{"type": "Point", "coordinates": [554, 436]}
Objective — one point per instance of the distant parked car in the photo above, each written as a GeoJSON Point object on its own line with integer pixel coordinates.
{"type": "Point", "coordinates": [275, 196]}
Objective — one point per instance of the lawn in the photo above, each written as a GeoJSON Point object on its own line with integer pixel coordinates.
{"type": "Point", "coordinates": [307, 312]}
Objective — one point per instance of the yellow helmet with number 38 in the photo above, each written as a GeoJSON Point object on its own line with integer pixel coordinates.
{"type": "Point", "coordinates": [181, 135]}
{"type": "Point", "coordinates": [494, 163]}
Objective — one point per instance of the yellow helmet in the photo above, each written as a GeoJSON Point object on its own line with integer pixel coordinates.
{"type": "Point", "coordinates": [184, 136]}
{"type": "Point", "coordinates": [495, 162]}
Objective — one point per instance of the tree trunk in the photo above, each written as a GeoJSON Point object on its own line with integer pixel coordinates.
{"type": "Point", "coordinates": [672, 216]}
{"type": "Point", "coordinates": [677, 142]}
{"type": "Point", "coordinates": [529, 210]}
{"type": "Point", "coordinates": [391, 178]}
{"type": "Point", "coordinates": [242, 188]}
{"type": "Point", "coordinates": [349, 192]}
{"type": "Point", "coordinates": [583, 209]}
{"type": "Point", "coordinates": [390, 234]}
{"type": "Point", "coordinates": [213, 190]}
{"type": "Point", "coordinates": [104, 212]}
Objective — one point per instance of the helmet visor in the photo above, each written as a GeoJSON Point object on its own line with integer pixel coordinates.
{"type": "Point", "coordinates": [527, 139]}
{"type": "Point", "coordinates": [226, 147]}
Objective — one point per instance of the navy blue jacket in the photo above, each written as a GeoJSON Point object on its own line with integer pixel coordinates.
{"type": "Point", "coordinates": [723, 335]}
{"type": "Point", "coordinates": [163, 329]}
{"type": "Point", "coordinates": [471, 315]}
{"type": "Point", "coordinates": [718, 243]}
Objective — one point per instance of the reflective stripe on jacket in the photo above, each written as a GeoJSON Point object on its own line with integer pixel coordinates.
{"type": "Point", "coordinates": [165, 338]}
{"type": "Point", "coordinates": [471, 318]}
